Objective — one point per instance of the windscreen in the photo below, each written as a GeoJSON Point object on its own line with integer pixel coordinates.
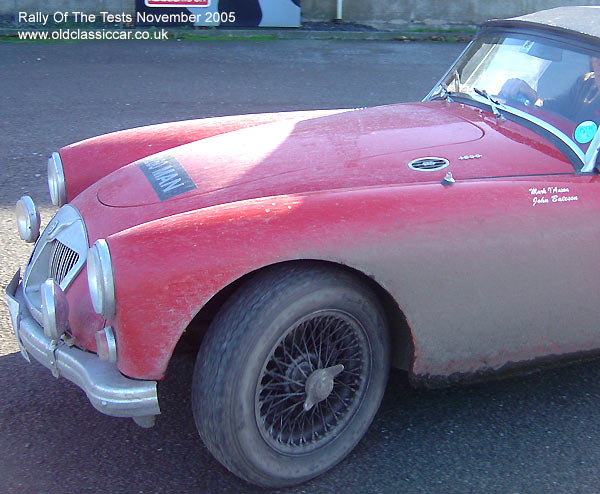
{"type": "Point", "coordinates": [534, 76]}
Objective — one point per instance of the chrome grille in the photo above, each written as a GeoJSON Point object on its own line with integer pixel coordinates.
{"type": "Point", "coordinates": [60, 253]}
{"type": "Point", "coordinates": [62, 260]}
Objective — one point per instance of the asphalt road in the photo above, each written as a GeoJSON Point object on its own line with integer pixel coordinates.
{"type": "Point", "coordinates": [535, 434]}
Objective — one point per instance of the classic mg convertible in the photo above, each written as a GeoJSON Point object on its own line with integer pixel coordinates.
{"type": "Point", "coordinates": [307, 252]}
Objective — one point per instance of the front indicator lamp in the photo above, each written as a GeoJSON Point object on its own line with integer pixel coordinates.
{"type": "Point", "coordinates": [106, 345]}
{"type": "Point", "coordinates": [55, 309]}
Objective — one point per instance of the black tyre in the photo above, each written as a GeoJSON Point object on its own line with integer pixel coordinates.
{"type": "Point", "coordinates": [290, 374]}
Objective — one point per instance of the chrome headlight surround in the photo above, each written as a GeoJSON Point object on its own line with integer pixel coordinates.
{"type": "Point", "coordinates": [28, 219]}
{"type": "Point", "coordinates": [101, 280]}
{"type": "Point", "coordinates": [56, 180]}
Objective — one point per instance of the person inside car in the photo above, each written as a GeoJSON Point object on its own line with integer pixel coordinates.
{"type": "Point", "coordinates": [581, 102]}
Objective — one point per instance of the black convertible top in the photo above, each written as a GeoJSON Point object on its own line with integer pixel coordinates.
{"type": "Point", "coordinates": [582, 23]}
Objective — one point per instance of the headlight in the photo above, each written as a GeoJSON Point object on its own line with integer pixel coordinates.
{"type": "Point", "coordinates": [28, 219]}
{"type": "Point", "coordinates": [56, 180]}
{"type": "Point", "coordinates": [101, 279]}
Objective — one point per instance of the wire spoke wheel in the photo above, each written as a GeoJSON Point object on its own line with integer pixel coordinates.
{"type": "Point", "coordinates": [291, 373]}
{"type": "Point", "coordinates": [312, 382]}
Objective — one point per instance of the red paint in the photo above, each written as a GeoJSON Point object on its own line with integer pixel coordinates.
{"type": "Point", "coordinates": [81, 312]}
{"type": "Point", "coordinates": [87, 161]}
{"type": "Point", "coordinates": [483, 276]}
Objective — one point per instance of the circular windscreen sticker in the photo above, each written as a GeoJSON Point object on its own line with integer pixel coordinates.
{"type": "Point", "coordinates": [585, 132]}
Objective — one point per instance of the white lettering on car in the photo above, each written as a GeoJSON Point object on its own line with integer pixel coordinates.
{"type": "Point", "coordinates": [540, 195]}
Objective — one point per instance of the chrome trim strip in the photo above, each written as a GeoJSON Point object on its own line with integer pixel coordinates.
{"type": "Point", "coordinates": [592, 154]}
{"type": "Point", "coordinates": [107, 389]}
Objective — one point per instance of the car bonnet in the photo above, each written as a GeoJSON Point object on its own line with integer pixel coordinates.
{"type": "Point", "coordinates": [352, 149]}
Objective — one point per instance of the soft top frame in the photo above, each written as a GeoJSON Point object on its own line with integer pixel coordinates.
{"type": "Point", "coordinates": [578, 25]}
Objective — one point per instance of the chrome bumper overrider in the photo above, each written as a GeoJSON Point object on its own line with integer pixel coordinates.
{"type": "Point", "coordinates": [107, 389]}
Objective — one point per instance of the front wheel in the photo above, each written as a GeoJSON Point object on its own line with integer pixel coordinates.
{"type": "Point", "coordinates": [291, 374]}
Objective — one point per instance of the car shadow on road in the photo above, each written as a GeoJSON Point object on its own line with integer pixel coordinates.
{"type": "Point", "coordinates": [462, 439]}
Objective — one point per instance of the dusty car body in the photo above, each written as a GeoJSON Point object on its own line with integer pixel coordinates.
{"type": "Point", "coordinates": [309, 250]}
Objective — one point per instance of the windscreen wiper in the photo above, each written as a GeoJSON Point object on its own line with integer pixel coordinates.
{"type": "Point", "coordinates": [495, 105]}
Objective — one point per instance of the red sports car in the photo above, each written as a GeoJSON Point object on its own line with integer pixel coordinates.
{"type": "Point", "coordinates": [307, 252]}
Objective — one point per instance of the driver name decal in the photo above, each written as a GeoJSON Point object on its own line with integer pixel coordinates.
{"type": "Point", "coordinates": [550, 195]}
{"type": "Point", "coordinates": [167, 176]}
